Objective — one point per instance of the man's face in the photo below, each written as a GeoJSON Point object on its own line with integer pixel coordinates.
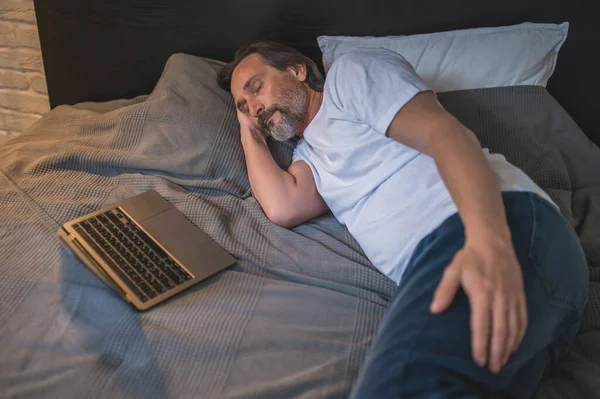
{"type": "Point", "coordinates": [275, 100]}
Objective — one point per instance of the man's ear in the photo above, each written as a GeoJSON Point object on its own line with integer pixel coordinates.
{"type": "Point", "coordinates": [299, 72]}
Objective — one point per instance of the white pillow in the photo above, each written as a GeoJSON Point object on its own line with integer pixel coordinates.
{"type": "Point", "coordinates": [523, 54]}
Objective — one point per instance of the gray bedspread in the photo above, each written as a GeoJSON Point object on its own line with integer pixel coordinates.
{"type": "Point", "coordinates": [294, 317]}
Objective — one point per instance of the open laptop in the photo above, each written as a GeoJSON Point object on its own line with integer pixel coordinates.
{"type": "Point", "coordinates": [144, 249]}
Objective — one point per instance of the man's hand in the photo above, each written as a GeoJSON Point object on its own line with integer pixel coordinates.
{"type": "Point", "coordinates": [249, 129]}
{"type": "Point", "coordinates": [486, 267]}
{"type": "Point", "coordinates": [490, 274]}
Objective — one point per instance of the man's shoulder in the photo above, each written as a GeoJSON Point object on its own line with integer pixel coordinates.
{"type": "Point", "coordinates": [348, 75]}
{"type": "Point", "coordinates": [354, 65]}
{"type": "Point", "coordinates": [363, 56]}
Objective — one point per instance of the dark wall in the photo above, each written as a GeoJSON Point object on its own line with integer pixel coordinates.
{"type": "Point", "coordinates": [101, 50]}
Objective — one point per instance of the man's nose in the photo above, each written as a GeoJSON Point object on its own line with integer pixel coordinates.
{"type": "Point", "coordinates": [256, 110]}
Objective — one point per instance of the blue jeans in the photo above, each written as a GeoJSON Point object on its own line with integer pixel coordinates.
{"type": "Point", "coordinates": [420, 355]}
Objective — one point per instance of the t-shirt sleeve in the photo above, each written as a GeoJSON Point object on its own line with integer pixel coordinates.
{"type": "Point", "coordinates": [298, 154]}
{"type": "Point", "coordinates": [296, 157]}
{"type": "Point", "coordinates": [372, 85]}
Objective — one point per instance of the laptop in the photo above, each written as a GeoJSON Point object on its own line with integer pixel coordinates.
{"type": "Point", "coordinates": [144, 249]}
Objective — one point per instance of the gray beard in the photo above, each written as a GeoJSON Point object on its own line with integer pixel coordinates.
{"type": "Point", "coordinates": [292, 110]}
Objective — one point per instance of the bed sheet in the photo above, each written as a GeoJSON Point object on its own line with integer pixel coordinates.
{"type": "Point", "coordinates": [293, 318]}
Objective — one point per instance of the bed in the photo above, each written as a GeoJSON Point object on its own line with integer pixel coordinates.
{"type": "Point", "coordinates": [136, 107]}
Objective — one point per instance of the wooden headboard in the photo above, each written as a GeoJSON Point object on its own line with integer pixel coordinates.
{"type": "Point", "coordinates": [96, 50]}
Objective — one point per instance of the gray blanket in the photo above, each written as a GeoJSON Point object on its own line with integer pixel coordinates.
{"type": "Point", "coordinates": [294, 317]}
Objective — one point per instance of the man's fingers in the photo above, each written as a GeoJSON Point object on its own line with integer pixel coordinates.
{"type": "Point", "coordinates": [479, 295]}
{"type": "Point", "coordinates": [524, 318]}
{"type": "Point", "coordinates": [446, 290]}
{"type": "Point", "coordinates": [514, 329]}
{"type": "Point", "coordinates": [244, 120]}
{"type": "Point", "coordinates": [240, 116]}
{"type": "Point", "coordinates": [500, 332]}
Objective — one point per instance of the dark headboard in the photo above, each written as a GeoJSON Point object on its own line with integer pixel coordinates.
{"type": "Point", "coordinates": [106, 49]}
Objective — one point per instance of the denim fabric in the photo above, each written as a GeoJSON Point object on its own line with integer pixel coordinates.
{"type": "Point", "coordinates": [420, 355]}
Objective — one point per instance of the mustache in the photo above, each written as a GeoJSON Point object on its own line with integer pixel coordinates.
{"type": "Point", "coordinates": [267, 114]}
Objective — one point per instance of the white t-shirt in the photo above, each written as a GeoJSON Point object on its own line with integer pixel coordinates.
{"type": "Point", "coordinates": [389, 196]}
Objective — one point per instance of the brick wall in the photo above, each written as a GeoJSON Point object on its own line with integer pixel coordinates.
{"type": "Point", "coordinates": [23, 93]}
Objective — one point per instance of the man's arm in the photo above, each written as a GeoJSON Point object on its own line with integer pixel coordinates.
{"type": "Point", "coordinates": [487, 266]}
{"type": "Point", "coordinates": [423, 124]}
{"type": "Point", "coordinates": [288, 198]}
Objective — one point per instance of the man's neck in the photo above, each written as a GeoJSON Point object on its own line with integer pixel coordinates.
{"type": "Point", "coordinates": [315, 99]}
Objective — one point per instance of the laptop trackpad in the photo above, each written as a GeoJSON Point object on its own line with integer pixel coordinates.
{"type": "Point", "coordinates": [187, 243]}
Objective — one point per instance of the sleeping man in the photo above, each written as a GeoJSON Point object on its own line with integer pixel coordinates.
{"type": "Point", "coordinates": [492, 281]}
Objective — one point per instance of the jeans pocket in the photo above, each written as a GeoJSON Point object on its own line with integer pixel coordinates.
{"type": "Point", "coordinates": [558, 257]}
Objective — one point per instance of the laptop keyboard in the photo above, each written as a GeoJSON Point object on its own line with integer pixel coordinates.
{"type": "Point", "coordinates": [142, 264]}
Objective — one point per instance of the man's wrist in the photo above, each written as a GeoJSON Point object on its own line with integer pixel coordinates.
{"type": "Point", "coordinates": [252, 136]}
{"type": "Point", "coordinates": [498, 233]}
